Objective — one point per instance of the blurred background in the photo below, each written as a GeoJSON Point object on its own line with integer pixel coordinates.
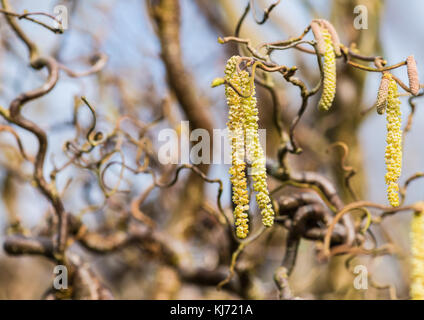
{"type": "Point", "coordinates": [136, 82]}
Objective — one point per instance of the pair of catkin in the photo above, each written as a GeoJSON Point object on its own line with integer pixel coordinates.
{"type": "Point", "coordinates": [414, 84]}
{"type": "Point", "coordinates": [388, 99]}
{"type": "Point", "coordinates": [328, 45]}
{"type": "Point", "coordinates": [417, 256]}
{"type": "Point", "coordinates": [244, 139]}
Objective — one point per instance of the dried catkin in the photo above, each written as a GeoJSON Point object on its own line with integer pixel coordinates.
{"type": "Point", "coordinates": [393, 154]}
{"type": "Point", "coordinates": [414, 82]}
{"type": "Point", "coordinates": [383, 91]}
{"type": "Point", "coordinates": [334, 36]}
{"type": "Point", "coordinates": [316, 30]}
{"type": "Point", "coordinates": [329, 85]}
{"type": "Point", "coordinates": [417, 259]}
{"type": "Point", "coordinates": [243, 130]}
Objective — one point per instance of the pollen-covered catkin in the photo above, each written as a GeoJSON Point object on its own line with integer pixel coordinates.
{"type": "Point", "coordinates": [383, 91]}
{"type": "Point", "coordinates": [243, 130]}
{"type": "Point", "coordinates": [417, 258]}
{"type": "Point", "coordinates": [256, 157]}
{"type": "Point", "coordinates": [393, 154]}
{"type": "Point", "coordinates": [329, 85]}
{"type": "Point", "coordinates": [414, 82]}
{"type": "Point", "coordinates": [236, 133]}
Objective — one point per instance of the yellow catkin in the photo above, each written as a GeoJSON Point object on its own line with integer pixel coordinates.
{"type": "Point", "coordinates": [236, 132]}
{"type": "Point", "coordinates": [243, 130]}
{"type": "Point", "coordinates": [417, 259]}
{"type": "Point", "coordinates": [329, 85]}
{"type": "Point", "coordinates": [256, 157]}
{"type": "Point", "coordinates": [393, 154]}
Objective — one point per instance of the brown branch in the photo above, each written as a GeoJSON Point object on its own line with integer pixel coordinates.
{"type": "Point", "coordinates": [19, 245]}
{"type": "Point", "coordinates": [26, 17]}
{"type": "Point", "coordinates": [167, 17]}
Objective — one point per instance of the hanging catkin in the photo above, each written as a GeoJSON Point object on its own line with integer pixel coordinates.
{"type": "Point", "coordinates": [383, 91]}
{"type": "Point", "coordinates": [417, 259]}
{"type": "Point", "coordinates": [393, 154]}
{"type": "Point", "coordinates": [329, 85]}
{"type": "Point", "coordinates": [414, 82]}
{"type": "Point", "coordinates": [244, 138]}
{"type": "Point", "coordinates": [256, 157]}
{"type": "Point", "coordinates": [236, 133]}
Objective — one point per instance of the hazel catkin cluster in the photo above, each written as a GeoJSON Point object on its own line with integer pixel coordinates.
{"type": "Point", "coordinates": [244, 138]}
